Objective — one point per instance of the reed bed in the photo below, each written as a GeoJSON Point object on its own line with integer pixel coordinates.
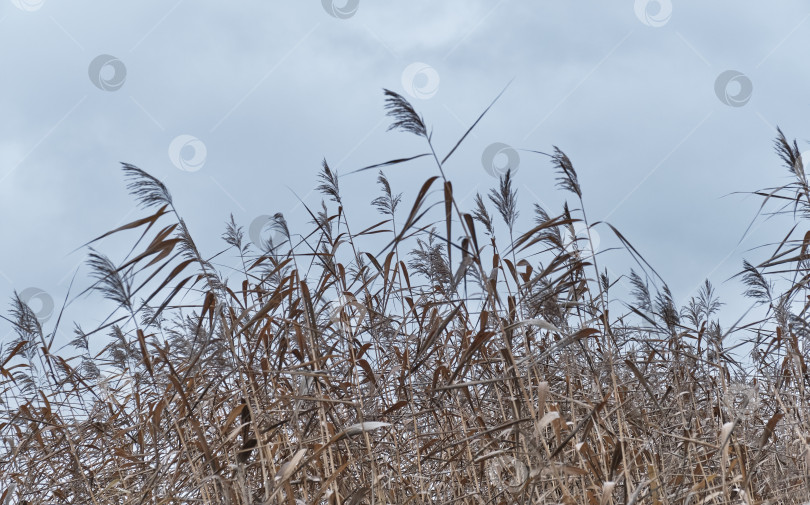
{"type": "Point", "coordinates": [438, 356]}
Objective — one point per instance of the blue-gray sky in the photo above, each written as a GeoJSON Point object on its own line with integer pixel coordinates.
{"type": "Point", "coordinates": [629, 90]}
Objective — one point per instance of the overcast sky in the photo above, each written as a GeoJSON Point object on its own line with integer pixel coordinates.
{"type": "Point", "coordinates": [663, 108]}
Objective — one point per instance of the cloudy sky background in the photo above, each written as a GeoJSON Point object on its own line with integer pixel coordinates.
{"type": "Point", "coordinates": [629, 90]}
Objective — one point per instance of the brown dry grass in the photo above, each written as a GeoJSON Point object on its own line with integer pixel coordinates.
{"type": "Point", "coordinates": [485, 370]}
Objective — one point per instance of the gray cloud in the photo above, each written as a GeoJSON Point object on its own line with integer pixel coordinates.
{"type": "Point", "coordinates": [271, 89]}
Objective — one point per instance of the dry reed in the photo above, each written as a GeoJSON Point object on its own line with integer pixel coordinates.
{"type": "Point", "coordinates": [480, 370]}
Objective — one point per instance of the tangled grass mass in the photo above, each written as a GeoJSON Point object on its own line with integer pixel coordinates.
{"type": "Point", "coordinates": [439, 356]}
